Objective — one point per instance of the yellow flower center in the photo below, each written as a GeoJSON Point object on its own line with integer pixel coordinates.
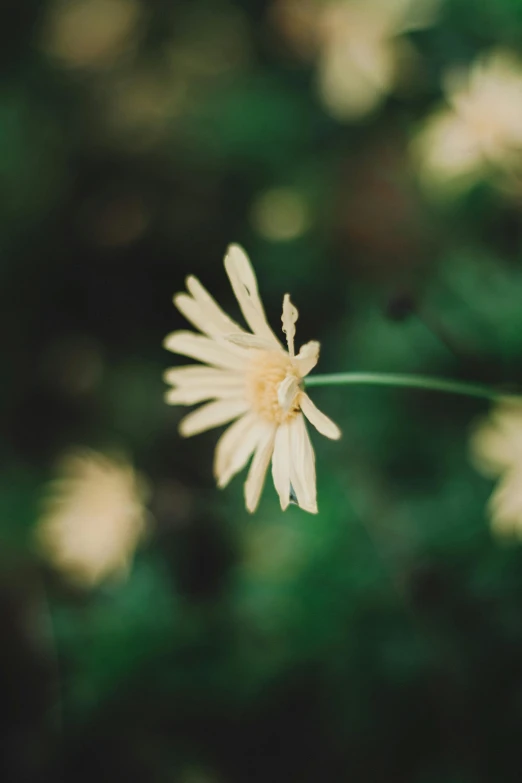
{"type": "Point", "coordinates": [264, 377]}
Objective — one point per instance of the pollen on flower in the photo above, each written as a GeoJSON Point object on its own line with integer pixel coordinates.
{"type": "Point", "coordinates": [264, 376]}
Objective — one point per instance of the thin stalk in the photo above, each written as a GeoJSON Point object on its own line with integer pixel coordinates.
{"type": "Point", "coordinates": [407, 381]}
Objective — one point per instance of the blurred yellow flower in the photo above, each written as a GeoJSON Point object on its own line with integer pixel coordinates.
{"type": "Point", "coordinates": [252, 380]}
{"type": "Point", "coordinates": [93, 517]}
{"type": "Point", "coordinates": [496, 451]}
{"type": "Point", "coordinates": [479, 131]}
{"type": "Point", "coordinates": [357, 45]}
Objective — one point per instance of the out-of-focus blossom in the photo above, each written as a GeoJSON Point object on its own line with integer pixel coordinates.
{"type": "Point", "coordinates": [496, 450]}
{"type": "Point", "coordinates": [93, 517]}
{"type": "Point", "coordinates": [91, 34]}
{"type": "Point", "coordinates": [357, 45]}
{"type": "Point", "coordinates": [248, 378]}
{"type": "Point", "coordinates": [479, 130]}
{"type": "Point", "coordinates": [280, 214]}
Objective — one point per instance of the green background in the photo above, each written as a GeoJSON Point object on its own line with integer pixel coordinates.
{"type": "Point", "coordinates": [378, 642]}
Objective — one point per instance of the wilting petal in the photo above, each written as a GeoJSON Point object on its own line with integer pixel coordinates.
{"type": "Point", "coordinates": [258, 468]}
{"type": "Point", "coordinates": [214, 414]}
{"type": "Point", "coordinates": [286, 392]}
{"type": "Point", "coordinates": [321, 422]}
{"type": "Point", "coordinates": [236, 446]}
{"type": "Point", "coordinates": [302, 465]}
{"type": "Point", "coordinates": [244, 285]}
{"type": "Point", "coordinates": [307, 358]}
{"type": "Point", "coordinates": [289, 318]}
{"type": "Point", "coordinates": [203, 349]}
{"type": "Point", "coordinates": [281, 464]}
{"type": "Point", "coordinates": [216, 316]}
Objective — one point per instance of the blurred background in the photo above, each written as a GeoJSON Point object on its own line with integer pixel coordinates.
{"type": "Point", "coordinates": [367, 154]}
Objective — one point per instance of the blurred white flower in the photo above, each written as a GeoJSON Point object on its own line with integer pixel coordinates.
{"type": "Point", "coordinates": [91, 33]}
{"type": "Point", "coordinates": [253, 381]}
{"type": "Point", "coordinates": [357, 45]}
{"type": "Point", "coordinates": [496, 451]}
{"type": "Point", "coordinates": [93, 517]}
{"type": "Point", "coordinates": [479, 131]}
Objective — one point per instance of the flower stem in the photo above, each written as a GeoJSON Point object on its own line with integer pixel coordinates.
{"type": "Point", "coordinates": [408, 381]}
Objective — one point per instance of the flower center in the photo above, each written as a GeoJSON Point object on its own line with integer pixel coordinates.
{"type": "Point", "coordinates": [264, 377]}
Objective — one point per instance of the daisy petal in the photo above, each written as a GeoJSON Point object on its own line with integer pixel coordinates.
{"type": "Point", "coordinates": [235, 447]}
{"type": "Point", "coordinates": [204, 350]}
{"type": "Point", "coordinates": [286, 392]}
{"type": "Point", "coordinates": [192, 374]}
{"type": "Point", "coordinates": [258, 469]}
{"type": "Point", "coordinates": [193, 313]}
{"type": "Point", "coordinates": [307, 358]}
{"type": "Point", "coordinates": [220, 320]}
{"type": "Point", "coordinates": [197, 316]}
{"type": "Point", "coordinates": [321, 422]}
{"type": "Point", "coordinates": [249, 341]}
{"type": "Point", "coordinates": [214, 414]}
{"type": "Point", "coordinates": [302, 465]}
{"type": "Point", "coordinates": [189, 395]}
{"type": "Point", "coordinates": [281, 464]}
{"type": "Point", "coordinates": [289, 318]}
{"type": "Point", "coordinates": [244, 285]}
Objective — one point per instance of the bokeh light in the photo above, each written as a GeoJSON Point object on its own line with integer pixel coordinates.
{"type": "Point", "coordinates": [280, 214]}
{"type": "Point", "coordinates": [479, 134]}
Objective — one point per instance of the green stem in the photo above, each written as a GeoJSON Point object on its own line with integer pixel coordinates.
{"type": "Point", "coordinates": [408, 381]}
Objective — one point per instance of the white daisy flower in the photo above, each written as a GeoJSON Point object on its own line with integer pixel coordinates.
{"type": "Point", "coordinates": [496, 451]}
{"type": "Point", "coordinates": [479, 130]}
{"type": "Point", "coordinates": [248, 378]}
{"type": "Point", "coordinates": [93, 517]}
